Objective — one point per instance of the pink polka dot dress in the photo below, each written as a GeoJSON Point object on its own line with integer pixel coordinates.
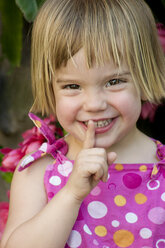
{"type": "Point", "coordinates": [126, 211]}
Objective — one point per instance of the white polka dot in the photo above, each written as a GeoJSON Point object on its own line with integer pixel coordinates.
{"type": "Point", "coordinates": [43, 147]}
{"type": "Point", "coordinates": [87, 230]}
{"type": "Point", "coordinates": [65, 169]}
{"type": "Point", "coordinates": [74, 239]}
{"type": "Point", "coordinates": [28, 159]}
{"type": "Point", "coordinates": [115, 223]}
{"type": "Point", "coordinates": [145, 233]}
{"type": "Point", "coordinates": [97, 209]}
{"type": "Point", "coordinates": [55, 180]}
{"type": "Point", "coordinates": [163, 196]}
{"type": "Point", "coordinates": [160, 241]}
{"type": "Point", "coordinates": [131, 217]}
{"type": "Point", "coordinates": [153, 187]}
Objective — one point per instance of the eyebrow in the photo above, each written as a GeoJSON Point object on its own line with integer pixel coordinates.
{"type": "Point", "coordinates": [125, 73]}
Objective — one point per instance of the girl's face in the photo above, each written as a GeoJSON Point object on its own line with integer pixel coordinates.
{"type": "Point", "coordinates": [103, 94]}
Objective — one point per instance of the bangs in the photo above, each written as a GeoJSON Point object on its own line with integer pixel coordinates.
{"type": "Point", "coordinates": [94, 26]}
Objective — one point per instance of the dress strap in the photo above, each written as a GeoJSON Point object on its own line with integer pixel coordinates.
{"type": "Point", "coordinates": [160, 150]}
{"type": "Point", "coordinates": [43, 127]}
{"type": "Point", "coordinates": [52, 146]}
{"type": "Point", "coordinates": [159, 167]}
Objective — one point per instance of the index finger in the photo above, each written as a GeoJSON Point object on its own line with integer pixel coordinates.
{"type": "Point", "coordinates": [89, 141]}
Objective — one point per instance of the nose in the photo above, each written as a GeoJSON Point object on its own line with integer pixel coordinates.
{"type": "Point", "coordinates": [95, 102]}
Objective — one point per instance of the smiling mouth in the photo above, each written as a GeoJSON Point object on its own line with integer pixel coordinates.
{"type": "Point", "coordinates": [101, 123]}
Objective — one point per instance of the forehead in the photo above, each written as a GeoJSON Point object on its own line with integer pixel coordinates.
{"type": "Point", "coordinates": [78, 65]}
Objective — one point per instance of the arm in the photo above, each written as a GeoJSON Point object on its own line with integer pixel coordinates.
{"type": "Point", "coordinates": [35, 223]}
{"type": "Point", "coordinates": [32, 222]}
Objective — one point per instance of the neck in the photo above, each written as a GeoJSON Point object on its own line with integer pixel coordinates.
{"type": "Point", "coordinates": [127, 141]}
{"type": "Point", "coordinates": [136, 147]}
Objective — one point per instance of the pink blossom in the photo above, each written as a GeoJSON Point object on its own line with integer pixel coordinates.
{"type": "Point", "coordinates": [161, 33]}
{"type": "Point", "coordinates": [33, 146]}
{"type": "Point", "coordinates": [32, 134]}
{"type": "Point", "coordinates": [32, 140]}
{"type": "Point", "coordinates": [4, 209]}
{"type": "Point", "coordinates": [148, 111]}
{"type": "Point", "coordinates": [11, 159]}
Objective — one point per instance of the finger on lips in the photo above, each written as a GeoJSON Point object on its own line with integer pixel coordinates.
{"type": "Point", "coordinates": [89, 141]}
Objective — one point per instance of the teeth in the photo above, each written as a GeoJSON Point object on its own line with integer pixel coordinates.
{"type": "Point", "coordinates": [103, 123]}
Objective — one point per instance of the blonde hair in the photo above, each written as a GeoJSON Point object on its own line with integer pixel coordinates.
{"type": "Point", "coordinates": [106, 29]}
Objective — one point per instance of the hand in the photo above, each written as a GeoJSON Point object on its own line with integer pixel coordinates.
{"type": "Point", "coordinates": [91, 166]}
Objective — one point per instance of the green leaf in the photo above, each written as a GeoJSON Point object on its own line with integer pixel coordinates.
{"type": "Point", "coordinates": [29, 8]}
{"type": "Point", "coordinates": [7, 176]}
{"type": "Point", "coordinates": [11, 36]}
{"type": "Point", "coordinates": [1, 157]}
{"type": "Point", "coordinates": [40, 2]}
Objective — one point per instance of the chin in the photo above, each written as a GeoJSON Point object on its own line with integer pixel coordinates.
{"type": "Point", "coordinates": [103, 144]}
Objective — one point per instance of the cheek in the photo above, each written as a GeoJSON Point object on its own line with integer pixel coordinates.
{"type": "Point", "coordinates": [65, 110]}
{"type": "Point", "coordinates": [129, 106]}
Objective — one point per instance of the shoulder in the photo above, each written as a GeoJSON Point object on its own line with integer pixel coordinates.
{"type": "Point", "coordinates": [31, 180]}
{"type": "Point", "coordinates": [27, 194]}
{"type": "Point", "coordinates": [32, 175]}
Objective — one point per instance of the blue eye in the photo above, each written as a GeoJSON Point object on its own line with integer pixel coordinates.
{"type": "Point", "coordinates": [72, 87]}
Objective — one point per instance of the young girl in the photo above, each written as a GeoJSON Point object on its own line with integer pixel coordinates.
{"type": "Point", "coordinates": [103, 184]}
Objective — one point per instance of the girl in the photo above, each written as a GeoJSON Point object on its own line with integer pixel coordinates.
{"type": "Point", "coordinates": [103, 184]}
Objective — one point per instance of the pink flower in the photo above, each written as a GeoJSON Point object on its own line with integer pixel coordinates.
{"type": "Point", "coordinates": [11, 159]}
{"type": "Point", "coordinates": [148, 111]}
{"type": "Point", "coordinates": [4, 209]}
{"type": "Point", "coordinates": [33, 146]}
{"type": "Point", "coordinates": [161, 33]}
{"type": "Point", "coordinates": [32, 140]}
